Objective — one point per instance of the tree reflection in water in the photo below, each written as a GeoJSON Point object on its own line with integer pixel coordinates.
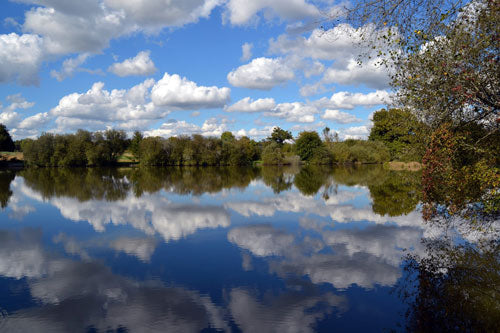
{"type": "Point", "coordinates": [6, 177]}
{"type": "Point", "coordinates": [393, 193]}
{"type": "Point", "coordinates": [453, 287]}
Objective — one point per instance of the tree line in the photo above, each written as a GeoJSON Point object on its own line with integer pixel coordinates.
{"type": "Point", "coordinates": [395, 135]}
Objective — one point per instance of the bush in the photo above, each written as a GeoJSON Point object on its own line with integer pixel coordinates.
{"type": "Point", "coordinates": [359, 151]}
{"type": "Point", "coordinates": [272, 155]}
{"type": "Point", "coordinates": [306, 144]}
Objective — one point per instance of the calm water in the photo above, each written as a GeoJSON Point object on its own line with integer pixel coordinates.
{"type": "Point", "coordinates": [253, 250]}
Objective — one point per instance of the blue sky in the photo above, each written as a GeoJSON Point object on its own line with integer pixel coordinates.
{"type": "Point", "coordinates": [168, 67]}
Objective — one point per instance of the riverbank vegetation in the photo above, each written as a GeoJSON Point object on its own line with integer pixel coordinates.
{"type": "Point", "coordinates": [112, 147]}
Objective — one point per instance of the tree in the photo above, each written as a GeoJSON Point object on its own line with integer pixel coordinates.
{"type": "Point", "coordinates": [117, 142]}
{"type": "Point", "coordinates": [227, 137]}
{"type": "Point", "coordinates": [135, 143]}
{"type": "Point", "coordinates": [307, 143]}
{"type": "Point", "coordinates": [272, 155]}
{"type": "Point", "coordinates": [400, 131]}
{"type": "Point", "coordinates": [443, 55]}
{"type": "Point", "coordinates": [279, 136]}
{"type": "Point", "coordinates": [6, 143]}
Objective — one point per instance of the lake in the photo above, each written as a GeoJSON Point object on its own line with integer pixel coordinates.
{"type": "Point", "coordinates": [206, 249]}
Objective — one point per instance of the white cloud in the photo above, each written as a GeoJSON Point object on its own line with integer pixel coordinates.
{"type": "Point", "coordinates": [294, 112]}
{"type": "Point", "coordinates": [160, 13]}
{"type": "Point", "coordinates": [312, 89]}
{"type": "Point", "coordinates": [357, 132]}
{"type": "Point", "coordinates": [342, 44]}
{"type": "Point", "coordinates": [211, 127]}
{"type": "Point", "coordinates": [370, 73]}
{"type": "Point", "coordinates": [248, 105]}
{"type": "Point", "coordinates": [20, 58]}
{"type": "Point", "coordinates": [348, 100]}
{"type": "Point", "coordinates": [261, 132]}
{"type": "Point", "coordinates": [57, 28]}
{"type": "Point", "coordinates": [337, 43]}
{"type": "Point", "coordinates": [35, 122]}
{"type": "Point", "coordinates": [70, 67]}
{"type": "Point", "coordinates": [176, 92]}
{"type": "Point", "coordinates": [8, 115]}
{"type": "Point", "coordinates": [98, 108]}
{"type": "Point", "coordinates": [89, 31]}
{"type": "Point", "coordinates": [242, 11]}
{"type": "Point", "coordinates": [261, 73]}
{"type": "Point", "coordinates": [141, 64]}
{"type": "Point", "coordinates": [246, 51]}
{"type": "Point", "coordinates": [340, 117]}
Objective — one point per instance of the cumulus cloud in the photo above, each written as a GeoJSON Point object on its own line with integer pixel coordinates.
{"type": "Point", "coordinates": [71, 66]}
{"type": "Point", "coordinates": [9, 115]}
{"type": "Point", "coordinates": [160, 13]}
{"type": "Point", "coordinates": [210, 127]}
{"type": "Point", "coordinates": [356, 132]}
{"type": "Point", "coordinates": [141, 64]}
{"type": "Point", "coordinates": [20, 58]}
{"type": "Point", "coordinates": [99, 107]}
{"type": "Point", "coordinates": [246, 51]}
{"type": "Point", "coordinates": [248, 105]}
{"type": "Point", "coordinates": [261, 73]}
{"type": "Point", "coordinates": [261, 132]}
{"type": "Point", "coordinates": [294, 112]}
{"type": "Point", "coordinates": [370, 73]}
{"type": "Point", "coordinates": [341, 44]}
{"type": "Point", "coordinates": [349, 100]}
{"type": "Point", "coordinates": [181, 93]}
{"type": "Point", "coordinates": [241, 11]}
{"type": "Point", "coordinates": [340, 117]}
{"type": "Point", "coordinates": [35, 121]}
{"type": "Point", "coordinates": [56, 28]}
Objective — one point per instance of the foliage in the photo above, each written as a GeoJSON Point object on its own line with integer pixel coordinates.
{"type": "Point", "coordinates": [401, 132]}
{"type": "Point", "coordinates": [277, 179]}
{"type": "Point", "coordinates": [310, 179]}
{"type": "Point", "coordinates": [279, 136]}
{"type": "Point", "coordinates": [306, 144]}
{"type": "Point", "coordinates": [453, 288]}
{"type": "Point", "coordinates": [6, 177]}
{"type": "Point", "coordinates": [6, 143]}
{"type": "Point", "coordinates": [272, 155]}
{"type": "Point", "coordinates": [396, 193]}
{"type": "Point", "coordinates": [460, 179]}
{"type": "Point", "coordinates": [135, 143]}
{"type": "Point", "coordinates": [359, 151]}
{"type": "Point", "coordinates": [453, 77]}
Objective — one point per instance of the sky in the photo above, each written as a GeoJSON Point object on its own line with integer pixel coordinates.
{"type": "Point", "coordinates": [174, 67]}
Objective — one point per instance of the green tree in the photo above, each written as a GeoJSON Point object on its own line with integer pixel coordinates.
{"type": "Point", "coordinates": [135, 143]}
{"type": "Point", "coordinates": [306, 144]}
{"type": "Point", "coordinates": [401, 132]}
{"type": "Point", "coordinates": [280, 135]}
{"type": "Point", "coordinates": [6, 143]}
{"type": "Point", "coordinates": [227, 137]}
{"type": "Point", "coordinates": [272, 155]}
{"type": "Point", "coordinates": [117, 143]}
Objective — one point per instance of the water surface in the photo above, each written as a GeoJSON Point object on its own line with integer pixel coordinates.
{"type": "Point", "coordinates": [207, 249]}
